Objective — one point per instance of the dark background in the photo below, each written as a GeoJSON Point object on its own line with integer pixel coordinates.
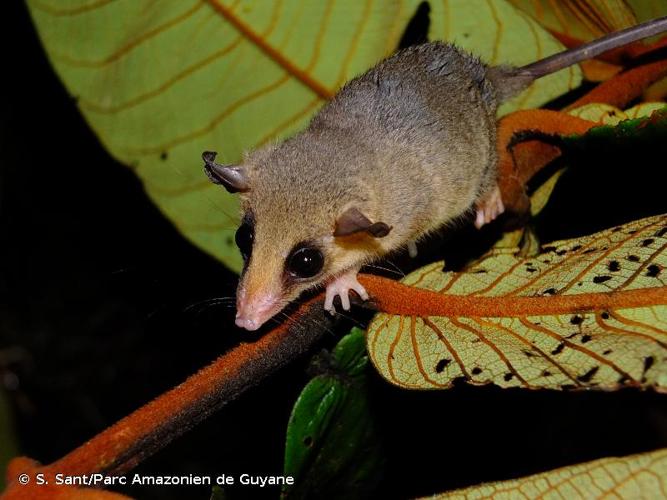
{"type": "Point", "coordinates": [95, 317]}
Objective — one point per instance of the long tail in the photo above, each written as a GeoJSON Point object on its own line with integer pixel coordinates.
{"type": "Point", "coordinates": [591, 49]}
{"type": "Point", "coordinates": [509, 80]}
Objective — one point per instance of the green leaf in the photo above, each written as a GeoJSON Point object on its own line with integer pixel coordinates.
{"type": "Point", "coordinates": [161, 81]}
{"type": "Point", "coordinates": [332, 449]}
{"type": "Point", "coordinates": [651, 128]}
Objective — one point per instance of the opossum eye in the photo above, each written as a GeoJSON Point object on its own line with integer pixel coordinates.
{"type": "Point", "coordinates": [305, 262]}
{"type": "Point", "coordinates": [244, 238]}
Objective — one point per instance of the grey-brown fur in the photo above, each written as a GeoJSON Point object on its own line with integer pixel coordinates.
{"type": "Point", "coordinates": [410, 143]}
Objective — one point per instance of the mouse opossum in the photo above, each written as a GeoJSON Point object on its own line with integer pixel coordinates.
{"type": "Point", "coordinates": [399, 152]}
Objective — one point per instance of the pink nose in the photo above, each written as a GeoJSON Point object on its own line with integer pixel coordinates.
{"type": "Point", "coordinates": [254, 312]}
{"type": "Point", "coordinates": [248, 324]}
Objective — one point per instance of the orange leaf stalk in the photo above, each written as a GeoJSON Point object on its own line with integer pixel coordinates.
{"type": "Point", "coordinates": [125, 444]}
{"type": "Point", "coordinates": [624, 87]}
{"type": "Point", "coordinates": [396, 298]}
{"type": "Point", "coordinates": [518, 164]}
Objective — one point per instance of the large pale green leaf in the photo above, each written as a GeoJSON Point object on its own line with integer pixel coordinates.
{"type": "Point", "coordinates": [160, 81]}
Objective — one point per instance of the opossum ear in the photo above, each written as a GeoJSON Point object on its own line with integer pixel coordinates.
{"type": "Point", "coordinates": [232, 177]}
{"type": "Point", "coordinates": [353, 221]}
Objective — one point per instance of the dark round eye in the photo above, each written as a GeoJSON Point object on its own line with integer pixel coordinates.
{"type": "Point", "coordinates": [305, 262]}
{"type": "Point", "coordinates": [244, 237]}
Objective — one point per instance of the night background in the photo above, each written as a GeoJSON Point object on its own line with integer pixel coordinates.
{"type": "Point", "coordinates": [100, 312]}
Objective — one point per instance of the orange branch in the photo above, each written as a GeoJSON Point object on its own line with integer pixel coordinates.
{"type": "Point", "coordinates": [126, 443]}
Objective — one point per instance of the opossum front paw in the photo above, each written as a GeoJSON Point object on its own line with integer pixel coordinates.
{"type": "Point", "coordinates": [341, 286]}
{"type": "Point", "coordinates": [489, 207]}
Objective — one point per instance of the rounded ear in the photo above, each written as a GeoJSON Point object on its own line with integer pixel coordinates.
{"type": "Point", "coordinates": [232, 177]}
{"type": "Point", "coordinates": [353, 221]}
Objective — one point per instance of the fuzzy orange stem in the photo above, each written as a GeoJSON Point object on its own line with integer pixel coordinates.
{"type": "Point", "coordinates": [625, 87]}
{"type": "Point", "coordinates": [530, 156]}
{"type": "Point", "coordinates": [396, 298]}
{"type": "Point", "coordinates": [126, 443]}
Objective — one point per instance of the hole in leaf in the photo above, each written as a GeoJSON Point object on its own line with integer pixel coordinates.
{"type": "Point", "coordinates": [613, 266]}
{"type": "Point", "coordinates": [576, 320]}
{"type": "Point", "coordinates": [648, 363]}
{"type": "Point", "coordinates": [586, 377]}
{"type": "Point", "coordinates": [653, 271]}
{"type": "Point", "coordinates": [442, 364]}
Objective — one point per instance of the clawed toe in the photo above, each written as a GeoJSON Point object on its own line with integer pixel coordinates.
{"type": "Point", "coordinates": [341, 287]}
{"type": "Point", "coordinates": [489, 208]}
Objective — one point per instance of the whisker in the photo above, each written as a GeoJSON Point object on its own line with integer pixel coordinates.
{"type": "Point", "coordinates": [211, 201]}
{"type": "Point", "coordinates": [208, 301]}
{"type": "Point", "coordinates": [308, 321]}
{"type": "Point", "coordinates": [120, 270]}
{"type": "Point", "coordinates": [395, 269]}
{"type": "Point", "coordinates": [154, 312]}
{"type": "Point", "coordinates": [202, 305]}
{"type": "Point", "coordinates": [318, 322]}
{"type": "Point", "coordinates": [398, 269]}
{"type": "Point", "coordinates": [350, 318]}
